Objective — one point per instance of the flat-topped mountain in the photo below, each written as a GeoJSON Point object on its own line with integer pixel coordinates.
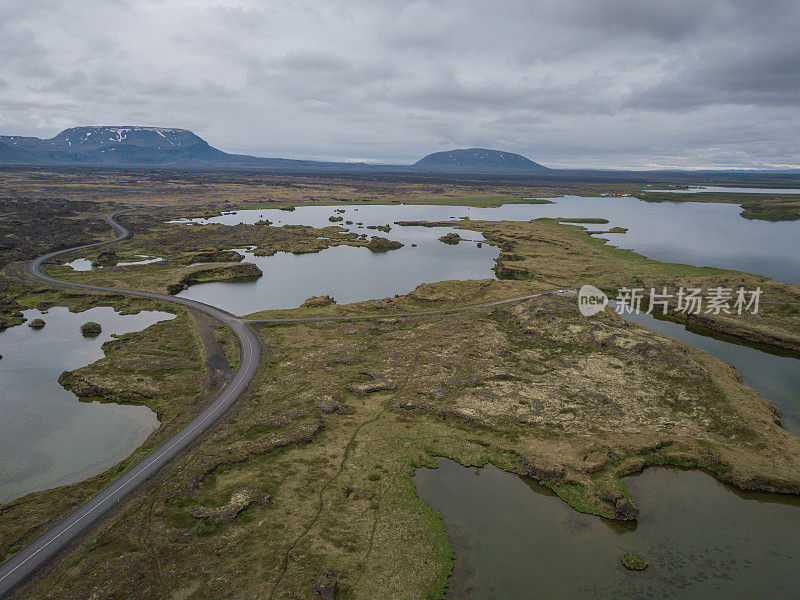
{"type": "Point", "coordinates": [132, 146]}
{"type": "Point", "coordinates": [477, 158]}
{"type": "Point", "coordinates": [110, 145]}
{"type": "Point", "coordinates": [164, 138]}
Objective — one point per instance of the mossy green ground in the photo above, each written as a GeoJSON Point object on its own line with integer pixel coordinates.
{"type": "Point", "coordinates": [384, 542]}
{"type": "Point", "coordinates": [532, 388]}
{"type": "Point", "coordinates": [162, 367]}
{"type": "Point", "coordinates": [766, 207]}
{"type": "Point", "coordinates": [633, 561]}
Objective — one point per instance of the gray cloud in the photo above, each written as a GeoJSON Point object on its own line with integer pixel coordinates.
{"type": "Point", "coordinates": [664, 21]}
{"type": "Point", "coordinates": [622, 83]}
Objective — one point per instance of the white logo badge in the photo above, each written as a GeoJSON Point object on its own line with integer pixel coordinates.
{"type": "Point", "coordinates": [591, 300]}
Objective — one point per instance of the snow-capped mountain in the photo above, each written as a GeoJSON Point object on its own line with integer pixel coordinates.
{"type": "Point", "coordinates": [111, 145]}
{"type": "Point", "coordinates": [90, 138]}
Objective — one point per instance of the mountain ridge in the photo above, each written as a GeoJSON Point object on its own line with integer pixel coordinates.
{"type": "Point", "coordinates": [133, 145]}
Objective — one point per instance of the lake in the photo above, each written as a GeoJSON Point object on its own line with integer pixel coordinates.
{"type": "Point", "coordinates": [698, 233]}
{"type": "Point", "coordinates": [47, 436]}
{"type": "Point", "coordinates": [349, 274]}
{"type": "Point", "coordinates": [513, 538]}
{"type": "Point", "coordinates": [678, 232]}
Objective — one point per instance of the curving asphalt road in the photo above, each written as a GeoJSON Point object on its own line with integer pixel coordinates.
{"type": "Point", "coordinates": [28, 560]}
{"type": "Point", "coordinates": [23, 564]}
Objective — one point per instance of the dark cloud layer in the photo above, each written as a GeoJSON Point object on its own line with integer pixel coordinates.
{"type": "Point", "coordinates": [605, 83]}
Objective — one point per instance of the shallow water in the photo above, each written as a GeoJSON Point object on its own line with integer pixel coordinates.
{"type": "Point", "coordinates": [47, 436]}
{"type": "Point", "coordinates": [84, 264]}
{"type": "Point", "coordinates": [80, 264]}
{"type": "Point", "coordinates": [513, 538]}
{"type": "Point", "coordinates": [350, 274]}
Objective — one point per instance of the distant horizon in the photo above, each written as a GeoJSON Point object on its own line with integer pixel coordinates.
{"type": "Point", "coordinates": [408, 162]}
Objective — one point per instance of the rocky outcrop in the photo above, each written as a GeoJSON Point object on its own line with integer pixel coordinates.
{"type": "Point", "coordinates": [318, 301]}
{"type": "Point", "coordinates": [75, 383]}
{"type": "Point", "coordinates": [240, 499]}
{"type": "Point", "coordinates": [506, 271]}
{"type": "Point", "coordinates": [91, 329]}
{"type": "Point", "coordinates": [107, 258]}
{"type": "Point", "coordinates": [745, 331]}
{"type": "Point", "coordinates": [36, 324]}
{"type": "Point", "coordinates": [326, 586]}
{"type": "Point", "coordinates": [378, 383]}
{"type": "Point", "coordinates": [329, 406]}
{"type": "Point", "coordinates": [623, 507]}
{"type": "Point", "coordinates": [241, 272]}
{"type": "Point", "coordinates": [426, 292]}
{"type": "Point", "coordinates": [450, 238]}
{"type": "Point", "coordinates": [541, 472]}
{"type": "Point", "coordinates": [10, 313]}
{"type": "Point", "coordinates": [446, 413]}
{"type": "Point", "coordinates": [243, 450]}
{"type": "Point", "coordinates": [215, 256]}
{"type": "Point", "coordinates": [381, 244]}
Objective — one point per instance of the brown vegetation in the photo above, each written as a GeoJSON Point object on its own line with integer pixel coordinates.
{"type": "Point", "coordinates": [534, 387]}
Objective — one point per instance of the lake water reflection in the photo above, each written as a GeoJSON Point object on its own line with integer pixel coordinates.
{"type": "Point", "coordinates": [513, 538]}
{"type": "Point", "coordinates": [697, 233]}
{"type": "Point", "coordinates": [348, 274]}
{"type": "Point", "coordinates": [47, 436]}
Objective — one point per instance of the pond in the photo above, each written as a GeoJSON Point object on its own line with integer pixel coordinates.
{"type": "Point", "coordinates": [80, 264]}
{"type": "Point", "coordinates": [349, 274]}
{"type": "Point", "coordinates": [513, 538]}
{"type": "Point", "coordinates": [47, 436]}
{"type": "Point", "coordinates": [84, 264]}
{"type": "Point", "coordinates": [142, 259]}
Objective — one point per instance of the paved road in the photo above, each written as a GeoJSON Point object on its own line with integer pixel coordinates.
{"type": "Point", "coordinates": [28, 560]}
{"type": "Point", "coordinates": [23, 564]}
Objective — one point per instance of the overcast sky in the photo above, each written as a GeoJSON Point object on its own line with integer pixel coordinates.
{"type": "Point", "coordinates": [611, 83]}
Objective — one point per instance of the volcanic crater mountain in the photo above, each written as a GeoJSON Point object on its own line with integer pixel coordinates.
{"type": "Point", "coordinates": [126, 146]}
{"type": "Point", "coordinates": [477, 158]}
